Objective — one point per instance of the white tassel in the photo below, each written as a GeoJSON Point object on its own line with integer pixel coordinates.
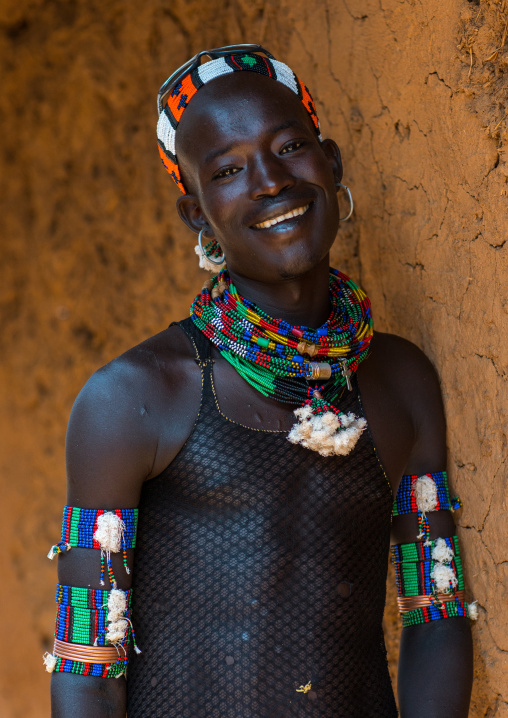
{"type": "Point", "coordinates": [205, 263]}
{"type": "Point", "coordinates": [473, 610]}
{"type": "Point", "coordinates": [329, 434]}
{"type": "Point", "coordinates": [425, 491]}
{"type": "Point", "coordinates": [116, 631]}
{"type": "Point", "coordinates": [442, 552]}
{"type": "Point", "coordinates": [109, 532]}
{"type": "Point", "coordinates": [444, 578]}
{"type": "Point", "coordinates": [117, 604]}
{"type": "Point", "coordinates": [49, 661]}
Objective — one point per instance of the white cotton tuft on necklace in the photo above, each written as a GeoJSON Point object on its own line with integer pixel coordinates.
{"type": "Point", "coordinates": [425, 491]}
{"type": "Point", "coordinates": [109, 532]}
{"type": "Point", "coordinates": [49, 661]}
{"type": "Point", "coordinates": [441, 551]}
{"type": "Point", "coordinates": [329, 434]}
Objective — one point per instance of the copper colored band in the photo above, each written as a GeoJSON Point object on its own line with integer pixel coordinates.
{"type": "Point", "coordinates": [412, 602]}
{"type": "Point", "coordinates": [85, 654]}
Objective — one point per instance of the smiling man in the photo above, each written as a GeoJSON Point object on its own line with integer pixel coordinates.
{"type": "Point", "coordinates": [257, 448]}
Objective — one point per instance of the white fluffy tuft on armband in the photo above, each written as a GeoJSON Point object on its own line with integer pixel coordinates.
{"type": "Point", "coordinates": [473, 610]}
{"type": "Point", "coordinates": [425, 491]}
{"type": "Point", "coordinates": [109, 532]}
{"type": "Point", "coordinates": [49, 661]}
{"type": "Point", "coordinates": [444, 578]}
{"type": "Point", "coordinates": [442, 552]}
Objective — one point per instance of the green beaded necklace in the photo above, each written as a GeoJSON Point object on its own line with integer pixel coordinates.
{"type": "Point", "coordinates": [294, 364]}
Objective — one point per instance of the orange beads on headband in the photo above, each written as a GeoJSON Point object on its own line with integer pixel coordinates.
{"type": "Point", "coordinates": [186, 88]}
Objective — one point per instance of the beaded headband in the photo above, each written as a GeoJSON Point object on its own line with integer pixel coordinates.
{"type": "Point", "coordinates": [186, 89]}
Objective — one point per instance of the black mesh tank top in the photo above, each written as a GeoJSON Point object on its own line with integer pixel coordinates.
{"type": "Point", "coordinates": [259, 581]}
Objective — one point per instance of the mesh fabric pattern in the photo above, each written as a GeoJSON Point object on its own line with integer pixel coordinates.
{"type": "Point", "coordinates": [260, 567]}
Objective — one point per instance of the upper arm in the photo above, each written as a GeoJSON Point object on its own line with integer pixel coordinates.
{"type": "Point", "coordinates": [110, 448]}
{"type": "Point", "coordinates": [404, 407]}
{"type": "Point", "coordinates": [111, 442]}
{"type": "Point", "coordinates": [420, 391]}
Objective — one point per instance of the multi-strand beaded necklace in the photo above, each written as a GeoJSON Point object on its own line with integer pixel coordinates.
{"type": "Point", "coordinates": [280, 360]}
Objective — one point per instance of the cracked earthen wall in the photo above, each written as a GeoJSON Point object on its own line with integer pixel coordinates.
{"type": "Point", "coordinates": [93, 259]}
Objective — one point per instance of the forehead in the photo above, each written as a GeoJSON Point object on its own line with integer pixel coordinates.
{"type": "Point", "coordinates": [242, 103]}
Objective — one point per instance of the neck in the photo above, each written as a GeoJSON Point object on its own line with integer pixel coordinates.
{"type": "Point", "coordinates": [301, 301]}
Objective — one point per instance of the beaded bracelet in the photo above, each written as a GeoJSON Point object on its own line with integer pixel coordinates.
{"type": "Point", "coordinates": [419, 577]}
{"type": "Point", "coordinates": [100, 670]}
{"type": "Point", "coordinates": [92, 628]}
{"type": "Point", "coordinates": [109, 531]}
{"type": "Point", "coordinates": [430, 581]}
{"type": "Point", "coordinates": [420, 494]}
{"type": "Point", "coordinates": [433, 612]}
{"type": "Point", "coordinates": [82, 614]}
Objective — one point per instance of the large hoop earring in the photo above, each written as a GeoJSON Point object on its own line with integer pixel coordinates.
{"type": "Point", "coordinates": [350, 198]}
{"type": "Point", "coordinates": [209, 258]}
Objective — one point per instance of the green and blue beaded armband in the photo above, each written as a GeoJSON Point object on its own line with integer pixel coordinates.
{"type": "Point", "coordinates": [93, 627]}
{"type": "Point", "coordinates": [428, 574]}
{"type": "Point", "coordinates": [109, 531]}
{"type": "Point", "coordinates": [421, 494]}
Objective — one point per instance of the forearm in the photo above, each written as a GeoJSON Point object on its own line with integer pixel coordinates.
{"type": "Point", "coordinates": [436, 669]}
{"type": "Point", "coordinates": [75, 696]}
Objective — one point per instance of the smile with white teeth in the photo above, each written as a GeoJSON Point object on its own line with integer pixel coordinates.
{"type": "Point", "coordinates": [282, 217]}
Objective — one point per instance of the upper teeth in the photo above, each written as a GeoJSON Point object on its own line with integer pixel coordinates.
{"type": "Point", "coordinates": [282, 217]}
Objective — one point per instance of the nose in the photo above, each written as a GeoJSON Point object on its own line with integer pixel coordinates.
{"type": "Point", "coordinates": [270, 175]}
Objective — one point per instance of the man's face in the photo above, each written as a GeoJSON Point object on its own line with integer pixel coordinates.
{"type": "Point", "coordinates": [258, 178]}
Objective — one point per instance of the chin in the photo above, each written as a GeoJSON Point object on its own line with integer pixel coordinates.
{"type": "Point", "coordinates": [298, 266]}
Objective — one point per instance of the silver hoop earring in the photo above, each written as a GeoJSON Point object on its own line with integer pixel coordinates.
{"type": "Point", "coordinates": [350, 198]}
{"type": "Point", "coordinates": [203, 253]}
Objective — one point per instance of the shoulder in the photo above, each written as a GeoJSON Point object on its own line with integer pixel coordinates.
{"type": "Point", "coordinates": [127, 411]}
{"type": "Point", "coordinates": [146, 369]}
{"type": "Point", "coordinates": [402, 397]}
{"type": "Point", "coordinates": [404, 369]}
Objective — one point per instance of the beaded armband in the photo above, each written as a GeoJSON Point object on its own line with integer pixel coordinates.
{"type": "Point", "coordinates": [92, 632]}
{"type": "Point", "coordinates": [93, 626]}
{"type": "Point", "coordinates": [421, 494]}
{"type": "Point", "coordinates": [109, 531]}
{"type": "Point", "coordinates": [430, 582]}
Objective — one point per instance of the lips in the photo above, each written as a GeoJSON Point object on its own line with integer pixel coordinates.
{"type": "Point", "coordinates": [277, 219]}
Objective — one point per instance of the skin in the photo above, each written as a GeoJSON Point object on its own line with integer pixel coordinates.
{"type": "Point", "coordinates": [248, 152]}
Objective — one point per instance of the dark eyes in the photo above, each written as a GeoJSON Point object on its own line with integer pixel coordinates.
{"type": "Point", "coordinates": [292, 146]}
{"type": "Point", "coordinates": [226, 172]}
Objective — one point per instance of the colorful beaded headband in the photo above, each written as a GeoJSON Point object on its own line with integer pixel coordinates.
{"type": "Point", "coordinates": [183, 92]}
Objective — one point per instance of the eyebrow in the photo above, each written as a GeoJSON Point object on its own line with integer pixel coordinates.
{"type": "Point", "coordinates": [213, 154]}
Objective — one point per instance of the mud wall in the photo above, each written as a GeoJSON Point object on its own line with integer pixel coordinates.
{"type": "Point", "coordinates": [93, 258]}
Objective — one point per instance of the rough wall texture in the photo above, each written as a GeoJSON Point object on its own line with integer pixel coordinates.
{"type": "Point", "coordinates": [93, 259]}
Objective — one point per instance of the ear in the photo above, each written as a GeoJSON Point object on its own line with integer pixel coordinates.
{"type": "Point", "coordinates": [332, 153]}
{"type": "Point", "coordinates": [191, 213]}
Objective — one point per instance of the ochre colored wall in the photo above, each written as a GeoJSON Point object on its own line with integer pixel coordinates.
{"type": "Point", "coordinates": [93, 258]}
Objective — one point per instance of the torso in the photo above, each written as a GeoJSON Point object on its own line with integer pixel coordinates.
{"type": "Point", "coordinates": [261, 567]}
{"type": "Point", "coordinates": [131, 439]}
{"type": "Point", "coordinates": [168, 391]}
